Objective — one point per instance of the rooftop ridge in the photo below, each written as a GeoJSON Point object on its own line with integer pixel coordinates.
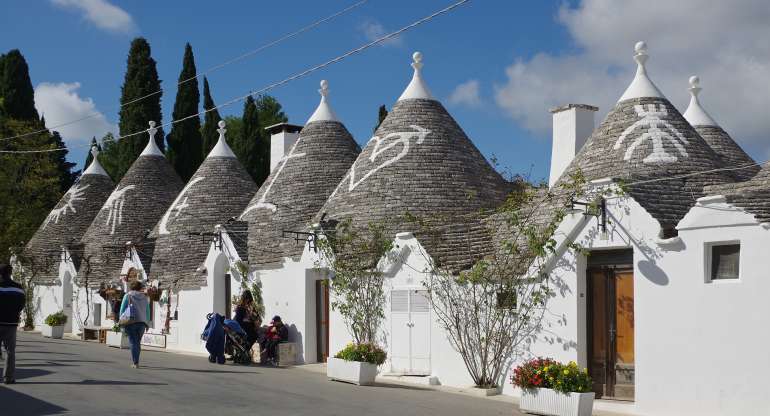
{"type": "Point", "coordinates": [417, 87]}
{"type": "Point", "coordinates": [95, 168]}
{"type": "Point", "coordinates": [641, 86]}
{"type": "Point", "coordinates": [324, 111]}
{"type": "Point", "coordinates": [695, 114]}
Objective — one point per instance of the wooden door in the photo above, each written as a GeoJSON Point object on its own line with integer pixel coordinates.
{"type": "Point", "coordinates": [322, 320]}
{"type": "Point", "coordinates": [611, 331]}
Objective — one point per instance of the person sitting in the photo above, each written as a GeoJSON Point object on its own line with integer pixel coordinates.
{"type": "Point", "coordinates": [277, 333]}
{"type": "Point", "coordinates": [247, 317]}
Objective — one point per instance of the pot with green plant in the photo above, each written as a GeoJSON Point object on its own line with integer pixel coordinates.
{"type": "Point", "coordinates": [551, 388]}
{"type": "Point", "coordinates": [117, 338]}
{"type": "Point", "coordinates": [54, 325]}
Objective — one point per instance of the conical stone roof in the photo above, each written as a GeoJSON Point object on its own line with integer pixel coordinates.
{"type": "Point", "coordinates": [645, 142]}
{"type": "Point", "coordinates": [133, 208]}
{"type": "Point", "coordinates": [218, 191]}
{"type": "Point", "coordinates": [421, 162]}
{"type": "Point", "coordinates": [730, 153]}
{"type": "Point", "coordinates": [752, 195]}
{"type": "Point", "coordinates": [68, 221]}
{"type": "Point", "coordinates": [298, 186]}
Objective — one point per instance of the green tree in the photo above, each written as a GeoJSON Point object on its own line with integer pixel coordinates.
{"type": "Point", "coordinates": [270, 112]}
{"type": "Point", "coordinates": [66, 175]}
{"type": "Point", "coordinates": [210, 120]}
{"type": "Point", "coordinates": [17, 97]}
{"type": "Point", "coordinates": [90, 157]}
{"type": "Point", "coordinates": [383, 112]}
{"type": "Point", "coordinates": [110, 155]}
{"type": "Point", "coordinates": [141, 80]}
{"type": "Point", "coordinates": [247, 145]}
{"type": "Point", "coordinates": [184, 140]}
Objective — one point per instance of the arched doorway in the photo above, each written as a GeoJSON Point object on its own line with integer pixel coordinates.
{"type": "Point", "coordinates": [67, 300]}
{"type": "Point", "coordinates": [222, 291]}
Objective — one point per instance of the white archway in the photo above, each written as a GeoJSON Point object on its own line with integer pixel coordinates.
{"type": "Point", "coordinates": [221, 288]}
{"type": "Point", "coordinates": [66, 299]}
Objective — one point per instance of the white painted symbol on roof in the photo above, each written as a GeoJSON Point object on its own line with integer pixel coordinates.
{"type": "Point", "coordinates": [401, 137]}
{"type": "Point", "coordinates": [177, 206]}
{"type": "Point", "coordinates": [74, 194]}
{"type": "Point", "coordinates": [261, 203]}
{"type": "Point", "coordinates": [115, 206]}
{"type": "Point", "coordinates": [651, 118]}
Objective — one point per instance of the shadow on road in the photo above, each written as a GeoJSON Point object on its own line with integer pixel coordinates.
{"type": "Point", "coordinates": [401, 386]}
{"type": "Point", "coordinates": [95, 383]}
{"type": "Point", "coordinates": [193, 370]}
{"type": "Point", "coordinates": [19, 404]}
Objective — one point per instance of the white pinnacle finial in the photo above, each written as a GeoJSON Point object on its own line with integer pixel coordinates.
{"type": "Point", "coordinates": [641, 86]}
{"type": "Point", "coordinates": [695, 114]}
{"type": "Point", "coordinates": [221, 149]}
{"type": "Point", "coordinates": [324, 111]}
{"type": "Point", "coordinates": [95, 168]}
{"type": "Point", "coordinates": [417, 87]}
{"type": "Point", "coordinates": [152, 148]}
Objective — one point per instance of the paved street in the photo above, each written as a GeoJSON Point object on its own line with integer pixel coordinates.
{"type": "Point", "coordinates": [77, 378]}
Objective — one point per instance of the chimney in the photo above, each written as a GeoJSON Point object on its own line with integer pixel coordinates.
{"type": "Point", "coordinates": [282, 138]}
{"type": "Point", "coordinates": [572, 125]}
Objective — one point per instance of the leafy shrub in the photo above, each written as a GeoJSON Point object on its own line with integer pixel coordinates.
{"type": "Point", "coordinates": [550, 374]}
{"type": "Point", "coordinates": [56, 319]}
{"type": "Point", "coordinates": [367, 353]}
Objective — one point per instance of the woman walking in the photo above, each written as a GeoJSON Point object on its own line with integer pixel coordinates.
{"type": "Point", "coordinates": [135, 330]}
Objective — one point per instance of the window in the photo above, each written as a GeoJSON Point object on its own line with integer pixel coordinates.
{"type": "Point", "coordinates": [723, 260]}
{"type": "Point", "coordinates": [506, 299]}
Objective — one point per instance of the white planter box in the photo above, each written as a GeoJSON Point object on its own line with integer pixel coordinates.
{"type": "Point", "coordinates": [117, 339]}
{"type": "Point", "coordinates": [55, 332]}
{"type": "Point", "coordinates": [354, 372]}
{"type": "Point", "coordinates": [552, 403]}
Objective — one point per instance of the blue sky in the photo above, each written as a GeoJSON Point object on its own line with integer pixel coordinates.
{"type": "Point", "coordinates": [496, 65]}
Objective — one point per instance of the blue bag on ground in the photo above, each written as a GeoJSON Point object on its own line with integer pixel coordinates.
{"type": "Point", "coordinates": [214, 335]}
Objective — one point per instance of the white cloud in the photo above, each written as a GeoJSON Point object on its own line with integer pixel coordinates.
{"type": "Point", "coordinates": [374, 30]}
{"type": "Point", "coordinates": [725, 43]}
{"type": "Point", "coordinates": [466, 94]}
{"type": "Point", "coordinates": [102, 13]}
{"type": "Point", "coordinates": [60, 103]}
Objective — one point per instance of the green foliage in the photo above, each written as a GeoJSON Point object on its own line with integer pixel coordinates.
{"type": "Point", "coordinates": [185, 143]}
{"type": "Point", "coordinates": [56, 319]}
{"type": "Point", "coordinates": [141, 80]}
{"type": "Point", "coordinates": [357, 285]}
{"type": "Point", "coordinates": [17, 97]}
{"type": "Point", "coordinates": [211, 118]}
{"type": "Point", "coordinates": [66, 176]}
{"type": "Point", "coordinates": [31, 182]}
{"type": "Point", "coordinates": [381, 114]}
{"type": "Point", "coordinates": [247, 145]}
{"type": "Point", "coordinates": [549, 374]}
{"type": "Point", "coordinates": [364, 353]}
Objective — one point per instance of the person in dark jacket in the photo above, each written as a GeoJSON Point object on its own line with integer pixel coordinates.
{"type": "Point", "coordinates": [277, 333]}
{"type": "Point", "coordinates": [247, 317]}
{"type": "Point", "coordinates": [11, 304]}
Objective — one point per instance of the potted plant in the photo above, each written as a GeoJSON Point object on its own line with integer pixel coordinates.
{"type": "Point", "coordinates": [117, 338]}
{"type": "Point", "coordinates": [551, 388]}
{"type": "Point", "coordinates": [54, 325]}
{"type": "Point", "coordinates": [356, 363]}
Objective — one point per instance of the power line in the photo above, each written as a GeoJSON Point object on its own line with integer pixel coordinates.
{"type": "Point", "coordinates": [212, 69]}
{"type": "Point", "coordinates": [296, 76]}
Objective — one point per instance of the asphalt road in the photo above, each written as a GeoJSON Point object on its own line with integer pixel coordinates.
{"type": "Point", "coordinates": [78, 378]}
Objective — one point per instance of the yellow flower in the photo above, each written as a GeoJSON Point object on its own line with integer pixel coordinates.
{"type": "Point", "coordinates": [566, 371]}
{"type": "Point", "coordinates": [545, 368]}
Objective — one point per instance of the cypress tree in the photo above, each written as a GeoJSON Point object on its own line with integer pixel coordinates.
{"type": "Point", "coordinates": [141, 79]}
{"type": "Point", "coordinates": [109, 156]}
{"type": "Point", "coordinates": [184, 141]}
{"type": "Point", "coordinates": [66, 175]}
{"type": "Point", "coordinates": [17, 95]}
{"type": "Point", "coordinates": [383, 112]}
{"type": "Point", "coordinates": [209, 131]}
{"type": "Point", "coordinates": [270, 113]}
{"type": "Point", "coordinates": [90, 157]}
{"type": "Point", "coordinates": [248, 145]}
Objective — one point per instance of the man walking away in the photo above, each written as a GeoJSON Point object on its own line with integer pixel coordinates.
{"type": "Point", "coordinates": [11, 305]}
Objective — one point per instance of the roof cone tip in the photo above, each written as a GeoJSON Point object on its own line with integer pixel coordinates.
{"type": "Point", "coordinates": [324, 111]}
{"type": "Point", "coordinates": [95, 168]}
{"type": "Point", "coordinates": [152, 148]}
{"type": "Point", "coordinates": [417, 87]}
{"type": "Point", "coordinates": [641, 86]}
{"type": "Point", "coordinates": [695, 114]}
{"type": "Point", "coordinates": [221, 149]}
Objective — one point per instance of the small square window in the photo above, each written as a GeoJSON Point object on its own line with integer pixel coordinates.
{"type": "Point", "coordinates": [506, 299]}
{"type": "Point", "coordinates": [725, 261]}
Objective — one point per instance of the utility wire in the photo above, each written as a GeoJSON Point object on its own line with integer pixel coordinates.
{"type": "Point", "coordinates": [208, 71]}
{"type": "Point", "coordinates": [296, 76]}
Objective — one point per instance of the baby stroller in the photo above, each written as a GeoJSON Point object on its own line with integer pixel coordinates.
{"type": "Point", "coordinates": [225, 336]}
